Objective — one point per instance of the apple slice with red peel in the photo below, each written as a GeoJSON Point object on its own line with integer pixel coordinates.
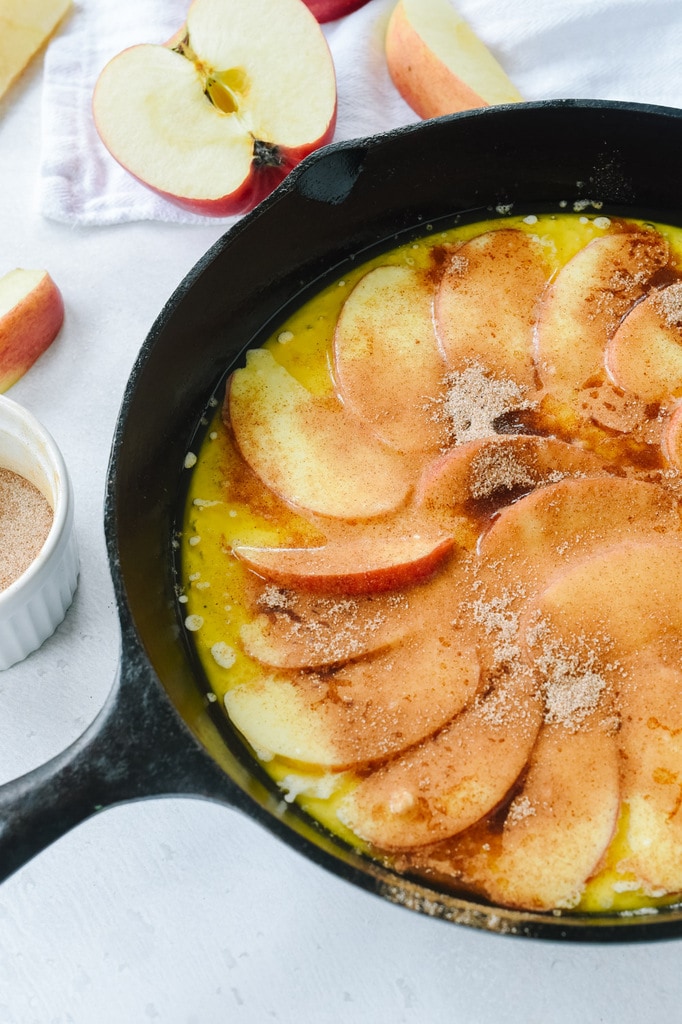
{"type": "Point", "coordinates": [644, 356]}
{"type": "Point", "coordinates": [486, 303]}
{"type": "Point", "coordinates": [438, 64]}
{"type": "Point", "coordinates": [331, 10]}
{"type": "Point", "coordinates": [452, 779]}
{"type": "Point", "coordinates": [585, 303]}
{"type": "Point", "coordinates": [361, 566]}
{"type": "Point", "coordinates": [387, 364]}
{"type": "Point", "coordinates": [31, 315]}
{"type": "Point", "coordinates": [556, 831]}
{"type": "Point", "coordinates": [216, 120]}
{"type": "Point", "coordinates": [362, 712]}
{"type": "Point", "coordinates": [651, 741]}
{"type": "Point", "coordinates": [309, 449]}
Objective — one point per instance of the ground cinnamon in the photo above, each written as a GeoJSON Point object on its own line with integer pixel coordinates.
{"type": "Point", "coordinates": [25, 521]}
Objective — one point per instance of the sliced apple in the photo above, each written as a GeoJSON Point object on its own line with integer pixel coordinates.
{"type": "Point", "coordinates": [297, 630]}
{"type": "Point", "coordinates": [31, 315]}
{"type": "Point", "coordinates": [556, 831]}
{"type": "Point", "coordinates": [651, 742]}
{"type": "Point", "coordinates": [644, 356]}
{"type": "Point", "coordinates": [482, 476]}
{"type": "Point", "coordinates": [438, 64]}
{"type": "Point", "coordinates": [25, 25]}
{"type": "Point", "coordinates": [557, 525]}
{"type": "Point", "coordinates": [486, 303]}
{"type": "Point", "coordinates": [585, 303]}
{"type": "Point", "coordinates": [452, 779]}
{"type": "Point", "coordinates": [308, 449]}
{"type": "Point", "coordinates": [362, 566]}
{"type": "Point", "coordinates": [364, 711]}
{"type": "Point", "coordinates": [330, 10]}
{"type": "Point", "coordinates": [215, 121]}
{"type": "Point", "coordinates": [646, 576]}
{"type": "Point", "coordinates": [387, 364]}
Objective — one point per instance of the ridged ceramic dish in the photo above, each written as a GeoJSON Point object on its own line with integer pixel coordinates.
{"type": "Point", "coordinates": [33, 605]}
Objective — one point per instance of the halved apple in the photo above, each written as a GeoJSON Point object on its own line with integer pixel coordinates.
{"type": "Point", "coordinates": [585, 303]}
{"type": "Point", "coordinates": [308, 449]}
{"type": "Point", "coordinates": [452, 779]}
{"type": "Point", "coordinates": [364, 711]}
{"type": "Point", "coordinates": [644, 356]}
{"type": "Point", "coordinates": [216, 119]}
{"type": "Point", "coordinates": [387, 364]}
{"type": "Point", "coordinates": [364, 565]}
{"type": "Point", "coordinates": [31, 315]}
{"type": "Point", "coordinates": [486, 303]}
{"type": "Point", "coordinates": [438, 64]}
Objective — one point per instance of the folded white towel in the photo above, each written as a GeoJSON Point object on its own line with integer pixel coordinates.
{"type": "Point", "coordinates": [601, 49]}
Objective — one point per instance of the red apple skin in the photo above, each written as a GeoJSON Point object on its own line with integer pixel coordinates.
{"type": "Point", "coordinates": [339, 570]}
{"type": "Point", "coordinates": [330, 10]}
{"type": "Point", "coordinates": [263, 179]}
{"type": "Point", "coordinates": [28, 329]}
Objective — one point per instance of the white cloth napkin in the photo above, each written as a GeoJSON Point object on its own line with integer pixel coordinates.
{"type": "Point", "coordinates": [598, 49]}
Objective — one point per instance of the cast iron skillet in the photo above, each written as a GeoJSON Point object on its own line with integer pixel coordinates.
{"type": "Point", "coordinates": [157, 733]}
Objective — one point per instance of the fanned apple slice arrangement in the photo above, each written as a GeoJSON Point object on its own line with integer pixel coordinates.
{"type": "Point", "coordinates": [487, 646]}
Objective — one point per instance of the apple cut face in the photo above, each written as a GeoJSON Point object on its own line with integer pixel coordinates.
{"type": "Point", "coordinates": [387, 364]}
{"type": "Point", "coordinates": [361, 712]}
{"type": "Point", "coordinates": [308, 449]}
{"type": "Point", "coordinates": [486, 304]}
{"type": "Point", "coordinates": [584, 305]}
{"type": "Point", "coordinates": [216, 118]}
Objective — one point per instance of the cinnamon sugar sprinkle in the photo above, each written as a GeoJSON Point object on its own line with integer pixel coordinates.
{"type": "Point", "coordinates": [25, 521]}
{"type": "Point", "coordinates": [668, 304]}
{"type": "Point", "coordinates": [474, 399]}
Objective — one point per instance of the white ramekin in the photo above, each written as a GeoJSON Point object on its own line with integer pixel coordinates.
{"type": "Point", "coordinates": [33, 605]}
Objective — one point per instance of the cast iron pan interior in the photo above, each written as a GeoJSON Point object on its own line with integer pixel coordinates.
{"type": "Point", "coordinates": [158, 734]}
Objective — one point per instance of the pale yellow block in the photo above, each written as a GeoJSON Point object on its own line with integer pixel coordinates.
{"type": "Point", "coordinates": [24, 26]}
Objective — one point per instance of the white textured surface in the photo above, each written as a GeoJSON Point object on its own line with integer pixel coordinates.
{"type": "Point", "coordinates": [179, 912]}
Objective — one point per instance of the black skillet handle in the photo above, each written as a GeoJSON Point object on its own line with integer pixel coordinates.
{"type": "Point", "coordinates": [136, 747]}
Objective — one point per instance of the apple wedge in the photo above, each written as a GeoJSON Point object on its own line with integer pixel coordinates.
{"type": "Point", "coordinates": [360, 566]}
{"type": "Point", "coordinates": [308, 449]}
{"type": "Point", "coordinates": [672, 438]}
{"type": "Point", "coordinates": [486, 303]}
{"type": "Point", "coordinates": [362, 712]}
{"type": "Point", "coordinates": [452, 779]}
{"type": "Point", "coordinates": [215, 120]}
{"type": "Point", "coordinates": [556, 831]}
{"type": "Point", "coordinates": [25, 26]}
{"type": "Point", "coordinates": [438, 64]}
{"type": "Point", "coordinates": [646, 576]}
{"type": "Point", "coordinates": [387, 364]}
{"type": "Point", "coordinates": [31, 315]}
{"type": "Point", "coordinates": [585, 303]}
{"type": "Point", "coordinates": [644, 356]}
